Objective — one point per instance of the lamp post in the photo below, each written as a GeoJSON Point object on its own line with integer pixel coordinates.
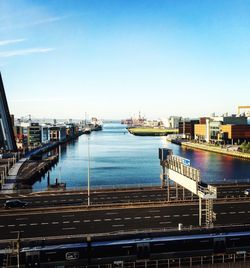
{"type": "Point", "coordinates": [88, 174]}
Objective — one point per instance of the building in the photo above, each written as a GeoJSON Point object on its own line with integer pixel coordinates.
{"type": "Point", "coordinates": [187, 128]}
{"type": "Point", "coordinates": [7, 138]}
{"type": "Point", "coordinates": [58, 133]}
{"type": "Point", "coordinates": [45, 136]}
{"type": "Point", "coordinates": [222, 129]}
{"type": "Point", "coordinates": [21, 137]}
{"type": "Point", "coordinates": [171, 122]}
{"type": "Point", "coordinates": [34, 135]}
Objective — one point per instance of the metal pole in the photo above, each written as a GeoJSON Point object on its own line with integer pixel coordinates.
{"type": "Point", "coordinates": [88, 174]}
{"type": "Point", "coordinates": [200, 211]}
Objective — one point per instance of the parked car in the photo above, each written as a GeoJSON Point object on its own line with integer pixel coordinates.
{"type": "Point", "coordinates": [15, 203]}
{"type": "Point", "coordinates": [247, 192]}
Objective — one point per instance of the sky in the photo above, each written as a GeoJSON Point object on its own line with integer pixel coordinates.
{"type": "Point", "coordinates": [114, 58]}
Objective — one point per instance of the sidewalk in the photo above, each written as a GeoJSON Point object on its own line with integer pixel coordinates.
{"type": "Point", "coordinates": [10, 181]}
{"type": "Point", "coordinates": [215, 149]}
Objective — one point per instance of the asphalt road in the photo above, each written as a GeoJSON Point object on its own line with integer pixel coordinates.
{"type": "Point", "coordinates": [50, 199]}
{"type": "Point", "coordinates": [67, 222]}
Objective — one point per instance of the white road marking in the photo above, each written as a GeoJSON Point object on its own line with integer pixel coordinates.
{"type": "Point", "coordinates": [232, 212]}
{"type": "Point", "coordinates": [223, 213]}
{"type": "Point", "coordinates": [185, 215]}
{"type": "Point", "coordinates": [176, 215]}
{"type": "Point", "coordinates": [11, 225]}
{"type": "Point", "coordinates": [1, 226]}
{"type": "Point", "coordinates": [69, 228]}
{"type": "Point", "coordinates": [86, 221]}
{"type": "Point", "coordinates": [117, 219]}
{"type": "Point", "coordinates": [165, 222]}
{"type": "Point", "coordinates": [127, 219]}
{"type": "Point", "coordinates": [33, 224]}
{"type": "Point", "coordinates": [107, 219]}
{"type": "Point", "coordinates": [97, 220]}
{"type": "Point", "coordinates": [21, 219]}
{"type": "Point", "coordinates": [157, 217]}
{"type": "Point", "coordinates": [137, 218]}
{"type": "Point", "coordinates": [44, 223]}
{"type": "Point", "coordinates": [76, 221]}
{"type": "Point", "coordinates": [111, 213]}
{"type": "Point", "coordinates": [118, 225]}
{"type": "Point", "coordinates": [241, 212]}
{"type": "Point", "coordinates": [23, 224]}
{"type": "Point", "coordinates": [166, 216]}
{"type": "Point", "coordinates": [147, 217]}
{"type": "Point", "coordinates": [55, 222]}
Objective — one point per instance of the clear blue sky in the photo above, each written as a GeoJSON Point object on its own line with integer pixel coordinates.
{"type": "Point", "coordinates": [113, 58]}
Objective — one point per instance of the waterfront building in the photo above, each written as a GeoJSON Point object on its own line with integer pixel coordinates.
{"type": "Point", "coordinates": [21, 137]}
{"type": "Point", "coordinates": [45, 138]}
{"type": "Point", "coordinates": [58, 133]}
{"type": "Point", "coordinates": [34, 135]}
{"type": "Point", "coordinates": [186, 127]}
{"type": "Point", "coordinates": [172, 122]}
{"type": "Point", "coordinates": [222, 129]}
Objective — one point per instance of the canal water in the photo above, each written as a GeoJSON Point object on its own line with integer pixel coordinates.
{"type": "Point", "coordinates": [118, 158]}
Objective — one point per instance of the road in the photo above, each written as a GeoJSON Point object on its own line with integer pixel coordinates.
{"type": "Point", "coordinates": [48, 199]}
{"type": "Point", "coordinates": [67, 221]}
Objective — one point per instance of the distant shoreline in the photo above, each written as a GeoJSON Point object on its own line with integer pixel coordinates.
{"type": "Point", "coordinates": [150, 131]}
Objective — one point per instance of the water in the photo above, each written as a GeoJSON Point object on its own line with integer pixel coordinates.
{"type": "Point", "coordinates": [119, 158]}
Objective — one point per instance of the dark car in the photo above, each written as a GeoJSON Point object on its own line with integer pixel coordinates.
{"type": "Point", "coordinates": [15, 203]}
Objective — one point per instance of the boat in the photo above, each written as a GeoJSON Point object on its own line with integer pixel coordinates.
{"type": "Point", "coordinates": [86, 130]}
{"type": "Point", "coordinates": [95, 125]}
{"type": "Point", "coordinates": [57, 185]}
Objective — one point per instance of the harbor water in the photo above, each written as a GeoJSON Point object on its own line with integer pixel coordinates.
{"type": "Point", "coordinates": [119, 159]}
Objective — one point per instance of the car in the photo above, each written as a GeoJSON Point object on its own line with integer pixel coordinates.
{"type": "Point", "coordinates": [247, 192]}
{"type": "Point", "coordinates": [15, 203]}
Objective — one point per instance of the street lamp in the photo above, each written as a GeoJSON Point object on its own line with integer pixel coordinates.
{"type": "Point", "coordinates": [88, 174]}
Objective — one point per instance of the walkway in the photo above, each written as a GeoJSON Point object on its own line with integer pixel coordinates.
{"type": "Point", "coordinates": [10, 181]}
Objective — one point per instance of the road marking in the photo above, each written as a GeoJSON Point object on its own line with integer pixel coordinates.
{"type": "Point", "coordinates": [137, 218]}
{"type": "Point", "coordinates": [37, 201]}
{"type": "Point", "coordinates": [127, 219]}
{"type": "Point", "coordinates": [241, 212]}
{"type": "Point", "coordinates": [157, 217]}
{"type": "Point", "coordinates": [23, 224]}
{"type": "Point", "coordinates": [11, 225]}
{"type": "Point", "coordinates": [33, 224]}
{"type": "Point", "coordinates": [195, 214]}
{"type": "Point", "coordinates": [117, 219]}
{"type": "Point", "coordinates": [1, 226]}
{"type": "Point", "coordinates": [185, 215]}
{"type": "Point", "coordinates": [153, 211]}
{"type": "Point", "coordinates": [166, 216]}
{"type": "Point", "coordinates": [165, 222]}
{"type": "Point", "coordinates": [55, 222]}
{"type": "Point", "coordinates": [44, 223]}
{"type": "Point", "coordinates": [63, 200]}
{"type": "Point", "coordinates": [69, 228]}
{"type": "Point", "coordinates": [107, 219]}
{"type": "Point", "coordinates": [21, 219]}
{"type": "Point", "coordinates": [87, 221]}
{"type": "Point", "coordinates": [118, 225]}
{"type": "Point", "coordinates": [97, 220]}
{"type": "Point", "coordinates": [147, 217]}
{"type": "Point", "coordinates": [76, 221]}
{"type": "Point", "coordinates": [111, 213]}
{"type": "Point", "coordinates": [67, 216]}
{"type": "Point", "coordinates": [223, 213]}
{"type": "Point", "coordinates": [232, 212]}
{"type": "Point", "coordinates": [176, 215]}
{"type": "Point", "coordinates": [65, 222]}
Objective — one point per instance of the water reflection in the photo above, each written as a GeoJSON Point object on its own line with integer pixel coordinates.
{"type": "Point", "coordinates": [118, 158]}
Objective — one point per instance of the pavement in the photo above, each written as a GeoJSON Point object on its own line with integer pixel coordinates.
{"type": "Point", "coordinates": [10, 181]}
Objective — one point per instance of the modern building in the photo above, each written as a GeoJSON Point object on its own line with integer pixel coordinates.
{"type": "Point", "coordinates": [186, 127]}
{"type": "Point", "coordinates": [7, 138]}
{"type": "Point", "coordinates": [58, 133]}
{"type": "Point", "coordinates": [222, 129]}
